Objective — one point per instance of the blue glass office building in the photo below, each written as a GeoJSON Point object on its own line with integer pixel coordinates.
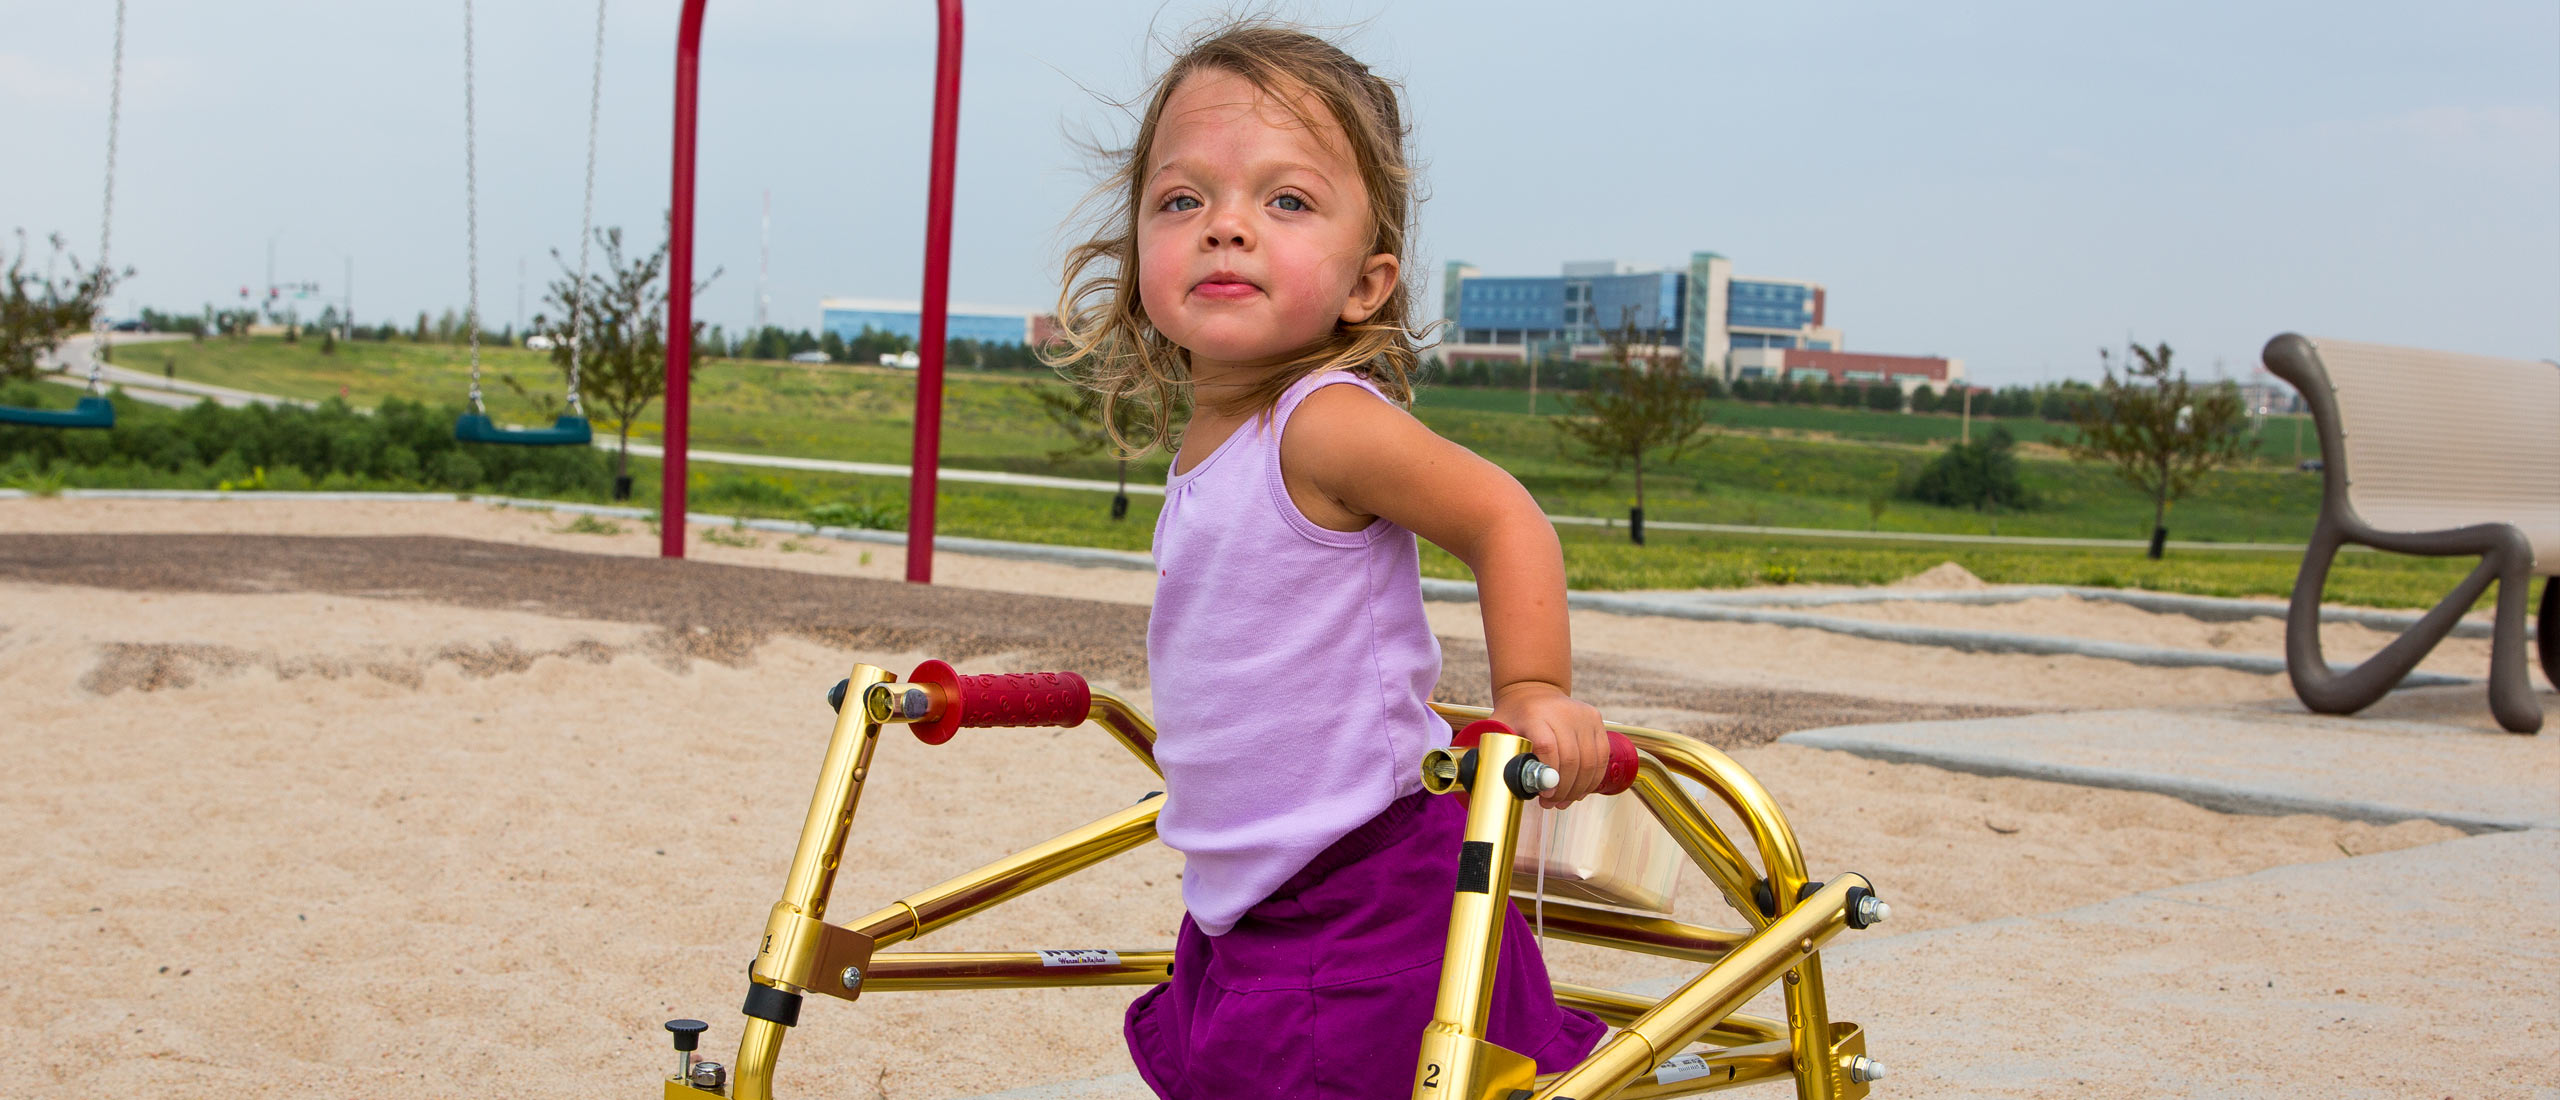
{"type": "Point", "coordinates": [847, 317]}
{"type": "Point", "coordinates": [1702, 310]}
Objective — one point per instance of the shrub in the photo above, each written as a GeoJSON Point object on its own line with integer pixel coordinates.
{"type": "Point", "coordinates": [401, 445]}
{"type": "Point", "coordinates": [1978, 475]}
{"type": "Point", "coordinates": [867, 513]}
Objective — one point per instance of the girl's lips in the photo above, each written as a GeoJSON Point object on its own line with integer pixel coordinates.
{"type": "Point", "coordinates": [1225, 291]}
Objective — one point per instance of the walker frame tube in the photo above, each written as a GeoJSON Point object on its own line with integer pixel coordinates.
{"type": "Point", "coordinates": [802, 953]}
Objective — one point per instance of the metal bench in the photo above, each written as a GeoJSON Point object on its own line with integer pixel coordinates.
{"type": "Point", "coordinates": [2431, 453]}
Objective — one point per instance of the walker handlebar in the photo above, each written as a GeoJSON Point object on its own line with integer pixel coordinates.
{"type": "Point", "coordinates": [997, 699]}
{"type": "Point", "coordinates": [1616, 776]}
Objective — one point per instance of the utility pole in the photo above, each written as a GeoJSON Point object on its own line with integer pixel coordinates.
{"type": "Point", "coordinates": [764, 261]}
{"type": "Point", "coordinates": [347, 303]}
{"type": "Point", "coordinates": [1968, 416]}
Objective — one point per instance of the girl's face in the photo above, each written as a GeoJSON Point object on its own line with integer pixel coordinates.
{"type": "Point", "coordinates": [1253, 228]}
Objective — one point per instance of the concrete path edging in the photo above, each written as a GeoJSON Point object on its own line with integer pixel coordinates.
{"type": "Point", "coordinates": [2218, 797]}
{"type": "Point", "coordinates": [2421, 756]}
{"type": "Point", "coordinates": [1956, 638]}
{"type": "Point", "coordinates": [2217, 609]}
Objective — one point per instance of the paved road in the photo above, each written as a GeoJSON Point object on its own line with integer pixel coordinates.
{"type": "Point", "coordinates": [73, 357]}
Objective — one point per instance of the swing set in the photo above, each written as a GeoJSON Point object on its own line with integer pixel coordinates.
{"type": "Point", "coordinates": [93, 409]}
{"type": "Point", "coordinates": [474, 426]}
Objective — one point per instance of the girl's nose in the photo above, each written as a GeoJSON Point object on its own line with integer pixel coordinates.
{"type": "Point", "coordinates": [1228, 231]}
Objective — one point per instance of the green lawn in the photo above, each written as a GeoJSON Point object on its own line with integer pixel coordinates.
{"type": "Point", "coordinates": [1598, 559]}
{"type": "Point", "coordinates": [1792, 466]}
{"type": "Point", "coordinates": [1786, 466]}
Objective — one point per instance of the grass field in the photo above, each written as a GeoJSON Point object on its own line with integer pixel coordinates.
{"type": "Point", "coordinates": [1765, 465]}
{"type": "Point", "coordinates": [1790, 466]}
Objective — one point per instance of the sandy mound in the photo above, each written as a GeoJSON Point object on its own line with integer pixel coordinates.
{"type": "Point", "coordinates": [1945, 575]}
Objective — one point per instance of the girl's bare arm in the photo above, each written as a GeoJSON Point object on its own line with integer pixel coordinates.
{"type": "Point", "coordinates": [1371, 458]}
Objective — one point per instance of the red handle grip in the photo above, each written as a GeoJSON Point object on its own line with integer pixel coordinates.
{"type": "Point", "coordinates": [1616, 777]}
{"type": "Point", "coordinates": [1001, 699]}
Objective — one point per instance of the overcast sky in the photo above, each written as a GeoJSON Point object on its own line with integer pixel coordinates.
{"type": "Point", "coordinates": [2014, 184]}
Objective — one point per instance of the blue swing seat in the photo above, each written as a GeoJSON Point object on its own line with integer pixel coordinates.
{"type": "Point", "coordinates": [92, 412]}
{"type": "Point", "coordinates": [566, 431]}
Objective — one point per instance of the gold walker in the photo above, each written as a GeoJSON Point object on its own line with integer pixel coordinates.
{"type": "Point", "coordinates": [1692, 1041]}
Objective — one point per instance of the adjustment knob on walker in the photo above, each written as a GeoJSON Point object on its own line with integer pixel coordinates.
{"type": "Point", "coordinates": [688, 1033]}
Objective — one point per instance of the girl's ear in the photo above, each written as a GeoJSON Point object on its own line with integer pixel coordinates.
{"type": "Point", "coordinates": [1377, 281]}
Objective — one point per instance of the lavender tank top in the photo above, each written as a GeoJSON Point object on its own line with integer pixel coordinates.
{"type": "Point", "coordinates": [1291, 668]}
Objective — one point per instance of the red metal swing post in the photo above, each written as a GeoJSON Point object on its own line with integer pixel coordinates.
{"type": "Point", "coordinates": [926, 462]}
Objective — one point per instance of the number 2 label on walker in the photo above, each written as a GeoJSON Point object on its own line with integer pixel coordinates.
{"type": "Point", "coordinates": [1079, 956]}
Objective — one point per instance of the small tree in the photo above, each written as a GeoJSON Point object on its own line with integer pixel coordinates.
{"type": "Point", "coordinates": [2160, 433]}
{"type": "Point", "coordinates": [1078, 412]}
{"type": "Point", "coordinates": [1637, 405]}
{"type": "Point", "coordinates": [36, 313]}
{"type": "Point", "coordinates": [622, 335]}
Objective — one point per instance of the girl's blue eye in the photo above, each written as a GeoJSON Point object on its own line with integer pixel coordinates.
{"type": "Point", "coordinates": [1177, 203]}
{"type": "Point", "coordinates": [1290, 202]}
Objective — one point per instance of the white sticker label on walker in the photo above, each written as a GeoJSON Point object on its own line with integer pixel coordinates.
{"type": "Point", "coordinates": [1687, 1067]}
{"type": "Point", "coordinates": [1079, 956]}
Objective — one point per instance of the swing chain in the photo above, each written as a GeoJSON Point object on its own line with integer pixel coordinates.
{"type": "Point", "coordinates": [98, 326]}
{"type": "Point", "coordinates": [471, 207]}
{"type": "Point", "coordinates": [587, 219]}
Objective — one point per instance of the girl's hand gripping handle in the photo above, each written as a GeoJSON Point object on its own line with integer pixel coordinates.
{"type": "Point", "coordinates": [1616, 775]}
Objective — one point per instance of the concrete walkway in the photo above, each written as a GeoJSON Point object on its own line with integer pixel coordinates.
{"type": "Point", "coordinates": [72, 360]}
{"type": "Point", "coordinates": [2348, 978]}
{"type": "Point", "coordinates": [2431, 753]}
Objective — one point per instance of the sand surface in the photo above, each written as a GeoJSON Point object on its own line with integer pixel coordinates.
{"type": "Point", "coordinates": [417, 816]}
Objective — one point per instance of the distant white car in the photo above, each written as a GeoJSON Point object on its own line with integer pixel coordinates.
{"type": "Point", "coordinates": [904, 360]}
{"type": "Point", "coordinates": [809, 357]}
{"type": "Point", "coordinates": [539, 342]}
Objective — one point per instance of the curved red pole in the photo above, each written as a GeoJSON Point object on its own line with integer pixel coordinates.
{"type": "Point", "coordinates": [671, 510]}
{"type": "Point", "coordinates": [925, 467]}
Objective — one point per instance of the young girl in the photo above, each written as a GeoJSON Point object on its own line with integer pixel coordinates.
{"type": "Point", "coordinates": [1251, 268]}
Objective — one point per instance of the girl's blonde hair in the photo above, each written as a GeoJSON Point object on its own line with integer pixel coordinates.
{"type": "Point", "coordinates": [1105, 341]}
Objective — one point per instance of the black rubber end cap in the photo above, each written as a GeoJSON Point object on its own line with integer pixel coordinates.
{"type": "Point", "coordinates": [1516, 777]}
{"type": "Point", "coordinates": [1808, 890]}
{"type": "Point", "coordinates": [688, 1033]}
{"type": "Point", "coordinates": [1765, 898]}
{"type": "Point", "coordinates": [835, 695]}
{"type": "Point", "coordinates": [772, 1005]}
{"type": "Point", "coordinates": [1858, 894]}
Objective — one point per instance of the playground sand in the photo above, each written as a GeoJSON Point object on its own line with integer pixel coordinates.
{"type": "Point", "coordinates": [420, 842]}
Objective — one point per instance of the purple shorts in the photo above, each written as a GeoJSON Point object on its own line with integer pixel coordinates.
{"type": "Point", "coordinates": [1323, 989]}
